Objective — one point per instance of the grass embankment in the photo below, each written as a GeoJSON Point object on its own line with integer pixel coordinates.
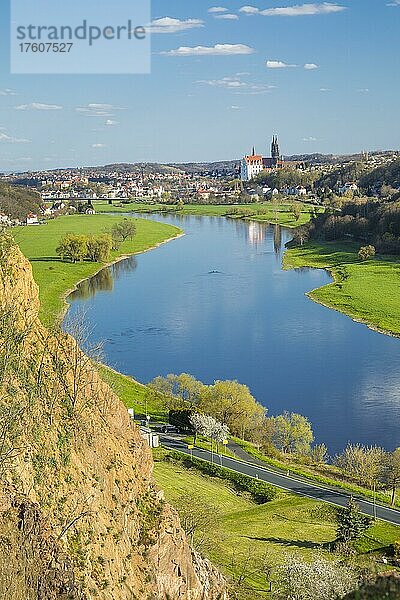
{"type": "Point", "coordinates": [288, 524]}
{"type": "Point", "coordinates": [267, 212]}
{"type": "Point", "coordinates": [365, 291]}
{"type": "Point", "coordinates": [134, 395]}
{"type": "Point", "coordinates": [55, 277]}
{"type": "Point", "coordinates": [324, 474]}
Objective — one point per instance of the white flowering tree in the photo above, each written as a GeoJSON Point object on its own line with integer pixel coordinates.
{"type": "Point", "coordinates": [210, 428]}
{"type": "Point", "coordinates": [318, 580]}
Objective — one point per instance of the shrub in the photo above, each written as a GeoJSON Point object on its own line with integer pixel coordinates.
{"type": "Point", "coordinates": [396, 552]}
{"type": "Point", "coordinates": [366, 252]}
{"type": "Point", "coordinates": [260, 491]}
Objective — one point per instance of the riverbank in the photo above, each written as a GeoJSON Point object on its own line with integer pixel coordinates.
{"type": "Point", "coordinates": [267, 212]}
{"type": "Point", "coordinates": [365, 291]}
{"type": "Point", "coordinates": [56, 278]}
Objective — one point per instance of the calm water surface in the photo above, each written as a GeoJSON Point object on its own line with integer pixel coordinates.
{"type": "Point", "coordinates": [217, 304]}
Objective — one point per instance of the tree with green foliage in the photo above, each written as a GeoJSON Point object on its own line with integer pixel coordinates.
{"type": "Point", "coordinates": [351, 524]}
{"type": "Point", "coordinates": [184, 387]}
{"type": "Point", "coordinates": [292, 433]}
{"type": "Point", "coordinates": [232, 404]}
{"type": "Point", "coordinates": [319, 453]}
{"type": "Point", "coordinates": [99, 247]}
{"type": "Point", "coordinates": [296, 210]}
{"type": "Point", "coordinates": [122, 231]}
{"type": "Point", "coordinates": [73, 247]}
{"type": "Point", "coordinates": [366, 252]}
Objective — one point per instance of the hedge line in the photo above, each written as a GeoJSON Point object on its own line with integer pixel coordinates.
{"type": "Point", "coordinates": [260, 491]}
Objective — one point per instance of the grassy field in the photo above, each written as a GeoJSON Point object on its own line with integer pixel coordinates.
{"type": "Point", "coordinates": [366, 291]}
{"type": "Point", "coordinates": [266, 212]}
{"type": "Point", "coordinates": [287, 525]}
{"type": "Point", "coordinates": [55, 277]}
{"type": "Point", "coordinates": [134, 395]}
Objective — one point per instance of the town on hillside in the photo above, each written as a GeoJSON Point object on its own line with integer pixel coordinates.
{"type": "Point", "coordinates": [316, 179]}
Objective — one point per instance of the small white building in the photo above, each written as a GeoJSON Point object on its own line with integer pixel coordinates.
{"type": "Point", "coordinates": [348, 187]}
{"type": "Point", "coordinates": [32, 219]}
{"type": "Point", "coordinates": [153, 439]}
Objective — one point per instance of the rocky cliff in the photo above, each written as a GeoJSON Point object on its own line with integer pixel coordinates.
{"type": "Point", "coordinates": [81, 516]}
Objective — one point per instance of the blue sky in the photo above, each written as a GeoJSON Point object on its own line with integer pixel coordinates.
{"type": "Point", "coordinates": [324, 76]}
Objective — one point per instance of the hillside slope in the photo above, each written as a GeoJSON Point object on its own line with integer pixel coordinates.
{"type": "Point", "coordinates": [81, 516]}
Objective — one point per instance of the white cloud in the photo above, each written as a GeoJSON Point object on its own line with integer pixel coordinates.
{"type": "Point", "coordinates": [111, 122]}
{"type": "Point", "coordinates": [236, 85]}
{"type": "Point", "coordinates": [217, 9]}
{"type": "Point", "coordinates": [249, 10]}
{"type": "Point", "coordinates": [38, 106]}
{"type": "Point", "coordinates": [310, 139]}
{"type": "Point", "coordinates": [98, 110]}
{"type": "Point", "coordinates": [4, 137]}
{"type": "Point", "coordinates": [217, 50]}
{"type": "Point", "coordinates": [311, 66]}
{"type": "Point", "coordinates": [99, 146]}
{"type": "Point", "coordinates": [394, 3]}
{"type": "Point", "coordinates": [235, 107]}
{"type": "Point", "coordinates": [22, 159]}
{"type": "Point", "coordinates": [227, 17]}
{"type": "Point", "coordinates": [295, 11]}
{"type": "Point", "coordinates": [8, 92]}
{"type": "Point", "coordinates": [170, 25]}
{"type": "Point", "coordinates": [363, 91]}
{"type": "Point", "coordinates": [279, 64]}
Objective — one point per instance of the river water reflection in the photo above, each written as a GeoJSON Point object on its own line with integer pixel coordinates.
{"type": "Point", "coordinates": [217, 304]}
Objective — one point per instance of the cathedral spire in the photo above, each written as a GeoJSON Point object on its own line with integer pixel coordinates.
{"type": "Point", "coordinates": [275, 152]}
{"type": "Point", "coordinates": [254, 151]}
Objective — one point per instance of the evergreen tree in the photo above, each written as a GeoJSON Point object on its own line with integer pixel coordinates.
{"type": "Point", "coordinates": [351, 524]}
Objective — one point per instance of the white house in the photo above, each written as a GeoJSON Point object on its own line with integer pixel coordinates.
{"type": "Point", "coordinates": [32, 219]}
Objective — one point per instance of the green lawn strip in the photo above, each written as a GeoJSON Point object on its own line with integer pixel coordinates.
{"type": "Point", "coordinates": [289, 524]}
{"type": "Point", "coordinates": [55, 277]}
{"type": "Point", "coordinates": [205, 444]}
{"type": "Point", "coordinates": [365, 291]}
{"type": "Point", "coordinates": [306, 473]}
{"type": "Point", "coordinates": [269, 213]}
{"type": "Point", "coordinates": [134, 394]}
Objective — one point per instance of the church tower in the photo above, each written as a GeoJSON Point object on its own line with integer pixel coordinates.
{"type": "Point", "coordinates": [275, 152]}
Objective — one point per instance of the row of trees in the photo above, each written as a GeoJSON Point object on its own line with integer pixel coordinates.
{"type": "Point", "coordinates": [371, 466]}
{"type": "Point", "coordinates": [287, 177]}
{"type": "Point", "coordinates": [76, 247]}
{"type": "Point", "coordinates": [227, 407]}
{"type": "Point", "coordinates": [232, 405]}
{"type": "Point", "coordinates": [95, 248]}
{"type": "Point", "coordinates": [367, 221]}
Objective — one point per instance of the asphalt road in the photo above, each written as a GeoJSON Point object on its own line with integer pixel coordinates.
{"type": "Point", "coordinates": [285, 482]}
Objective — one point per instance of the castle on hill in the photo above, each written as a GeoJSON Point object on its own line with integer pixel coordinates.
{"type": "Point", "coordinates": [253, 164]}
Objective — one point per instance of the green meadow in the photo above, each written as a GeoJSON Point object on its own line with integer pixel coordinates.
{"type": "Point", "coordinates": [365, 291]}
{"type": "Point", "coordinates": [55, 277]}
{"type": "Point", "coordinates": [266, 533]}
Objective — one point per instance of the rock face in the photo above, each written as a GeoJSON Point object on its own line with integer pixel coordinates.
{"type": "Point", "coordinates": [80, 514]}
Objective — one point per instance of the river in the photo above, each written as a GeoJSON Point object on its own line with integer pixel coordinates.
{"type": "Point", "coordinates": [216, 303]}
